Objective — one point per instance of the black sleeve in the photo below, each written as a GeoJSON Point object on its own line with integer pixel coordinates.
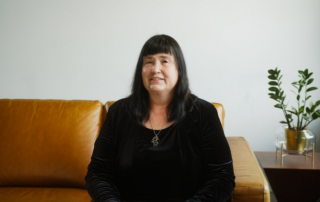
{"type": "Point", "coordinates": [219, 175]}
{"type": "Point", "coordinates": [100, 177]}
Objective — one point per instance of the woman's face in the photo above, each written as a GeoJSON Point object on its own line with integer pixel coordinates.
{"type": "Point", "coordinates": [159, 73]}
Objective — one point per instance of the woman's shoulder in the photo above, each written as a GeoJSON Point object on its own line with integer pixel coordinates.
{"type": "Point", "coordinates": [117, 103]}
{"type": "Point", "coordinates": [201, 104]}
{"type": "Point", "coordinates": [117, 111]}
{"type": "Point", "coordinates": [118, 106]}
{"type": "Point", "coordinates": [205, 111]}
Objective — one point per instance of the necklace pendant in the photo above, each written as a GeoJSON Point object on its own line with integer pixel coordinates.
{"type": "Point", "coordinates": [155, 141]}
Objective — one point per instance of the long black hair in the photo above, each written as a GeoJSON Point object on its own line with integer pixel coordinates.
{"type": "Point", "coordinates": [182, 101]}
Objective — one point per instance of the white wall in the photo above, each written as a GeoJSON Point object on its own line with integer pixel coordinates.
{"type": "Point", "coordinates": [66, 49]}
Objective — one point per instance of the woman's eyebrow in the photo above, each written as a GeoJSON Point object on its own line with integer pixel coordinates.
{"type": "Point", "coordinates": [147, 57]}
{"type": "Point", "coordinates": [166, 57]}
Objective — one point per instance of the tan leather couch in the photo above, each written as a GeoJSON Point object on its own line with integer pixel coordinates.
{"type": "Point", "coordinates": [46, 145]}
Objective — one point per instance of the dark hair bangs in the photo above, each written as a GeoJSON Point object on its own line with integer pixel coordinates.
{"type": "Point", "coordinates": [157, 45]}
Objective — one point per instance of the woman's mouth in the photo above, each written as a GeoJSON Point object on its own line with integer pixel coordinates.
{"type": "Point", "coordinates": [156, 79]}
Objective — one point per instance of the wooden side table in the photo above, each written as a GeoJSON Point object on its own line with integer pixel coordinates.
{"type": "Point", "coordinates": [295, 180]}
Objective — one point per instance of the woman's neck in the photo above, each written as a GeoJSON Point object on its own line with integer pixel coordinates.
{"type": "Point", "coordinates": [159, 102]}
{"type": "Point", "coordinates": [158, 112]}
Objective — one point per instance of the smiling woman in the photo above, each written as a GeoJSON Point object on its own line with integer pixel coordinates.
{"type": "Point", "coordinates": [161, 143]}
{"type": "Point", "coordinates": [159, 74]}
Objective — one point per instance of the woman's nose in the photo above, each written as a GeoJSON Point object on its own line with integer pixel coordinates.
{"type": "Point", "coordinates": [156, 68]}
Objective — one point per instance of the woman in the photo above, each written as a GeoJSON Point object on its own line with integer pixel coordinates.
{"type": "Point", "coordinates": [161, 143]}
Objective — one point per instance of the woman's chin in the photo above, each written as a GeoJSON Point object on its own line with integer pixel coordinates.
{"type": "Point", "coordinates": [155, 90]}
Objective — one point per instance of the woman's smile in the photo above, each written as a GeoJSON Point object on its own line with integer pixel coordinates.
{"type": "Point", "coordinates": [156, 79]}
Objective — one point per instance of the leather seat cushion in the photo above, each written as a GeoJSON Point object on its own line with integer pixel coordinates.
{"type": "Point", "coordinates": [32, 194]}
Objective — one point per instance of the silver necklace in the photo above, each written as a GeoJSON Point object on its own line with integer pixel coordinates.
{"type": "Point", "coordinates": [155, 140]}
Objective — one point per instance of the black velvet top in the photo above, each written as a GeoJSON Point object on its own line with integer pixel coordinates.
{"type": "Point", "coordinates": [157, 171]}
{"type": "Point", "coordinates": [126, 167]}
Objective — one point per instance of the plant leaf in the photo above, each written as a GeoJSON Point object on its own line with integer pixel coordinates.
{"type": "Point", "coordinates": [306, 72]}
{"type": "Point", "coordinates": [301, 72]}
{"type": "Point", "coordinates": [301, 109]}
{"type": "Point", "coordinates": [299, 90]}
{"type": "Point", "coordinates": [273, 83]}
{"type": "Point", "coordinates": [302, 83]}
{"type": "Point", "coordinates": [273, 89]}
{"type": "Point", "coordinates": [298, 97]}
{"type": "Point", "coordinates": [292, 112]}
{"type": "Point", "coordinates": [316, 114]}
{"type": "Point", "coordinates": [272, 72]}
{"type": "Point", "coordinates": [278, 106]}
{"type": "Point", "coordinates": [311, 89]}
{"type": "Point", "coordinates": [309, 75]}
{"type": "Point", "coordinates": [272, 77]}
{"type": "Point", "coordinates": [307, 117]}
{"type": "Point", "coordinates": [308, 110]}
{"type": "Point", "coordinates": [308, 97]}
{"type": "Point", "coordinates": [275, 97]}
{"type": "Point", "coordinates": [281, 94]}
{"type": "Point", "coordinates": [295, 110]}
{"type": "Point", "coordinates": [310, 81]}
{"type": "Point", "coordinates": [283, 122]}
{"type": "Point", "coordinates": [280, 77]}
{"type": "Point", "coordinates": [315, 106]}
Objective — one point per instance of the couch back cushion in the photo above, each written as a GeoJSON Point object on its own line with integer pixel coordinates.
{"type": "Point", "coordinates": [47, 142]}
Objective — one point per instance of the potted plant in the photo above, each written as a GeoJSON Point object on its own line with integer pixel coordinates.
{"type": "Point", "coordinates": [295, 134]}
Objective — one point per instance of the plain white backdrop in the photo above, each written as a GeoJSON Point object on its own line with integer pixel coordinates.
{"type": "Point", "coordinates": [76, 49]}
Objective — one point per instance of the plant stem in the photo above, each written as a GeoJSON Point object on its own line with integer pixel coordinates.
{"type": "Point", "coordinates": [306, 124]}
{"type": "Point", "coordinates": [304, 106]}
{"type": "Point", "coordinates": [281, 102]}
{"type": "Point", "coordinates": [298, 111]}
{"type": "Point", "coordinates": [285, 114]}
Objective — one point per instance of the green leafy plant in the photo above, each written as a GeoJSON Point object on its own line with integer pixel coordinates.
{"type": "Point", "coordinates": [305, 115]}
